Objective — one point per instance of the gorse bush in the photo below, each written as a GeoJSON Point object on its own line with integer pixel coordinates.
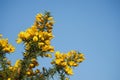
{"type": "Point", "coordinates": [37, 43]}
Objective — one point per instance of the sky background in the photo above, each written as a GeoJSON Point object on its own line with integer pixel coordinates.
{"type": "Point", "coordinates": [89, 26]}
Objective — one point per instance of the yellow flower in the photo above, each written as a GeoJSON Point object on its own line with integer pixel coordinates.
{"type": "Point", "coordinates": [31, 65]}
{"type": "Point", "coordinates": [57, 54]}
{"type": "Point", "coordinates": [18, 63]}
{"type": "Point", "coordinates": [19, 40]}
{"type": "Point", "coordinates": [64, 56]}
{"type": "Point", "coordinates": [51, 48]}
{"type": "Point", "coordinates": [8, 62]}
{"type": "Point", "coordinates": [49, 31]}
{"type": "Point", "coordinates": [9, 49]}
{"type": "Point", "coordinates": [66, 78]}
{"type": "Point", "coordinates": [40, 34]}
{"type": "Point", "coordinates": [71, 63]}
{"type": "Point", "coordinates": [47, 42]}
{"type": "Point", "coordinates": [40, 44]}
{"type": "Point", "coordinates": [29, 73]}
{"type": "Point", "coordinates": [48, 55]}
{"type": "Point", "coordinates": [58, 61]}
{"type": "Point", "coordinates": [6, 49]}
{"type": "Point", "coordinates": [39, 15]}
{"type": "Point", "coordinates": [21, 35]}
{"type": "Point", "coordinates": [12, 49]}
{"type": "Point", "coordinates": [34, 28]}
{"type": "Point", "coordinates": [32, 31]}
{"type": "Point", "coordinates": [80, 60]}
{"type": "Point", "coordinates": [35, 38]}
{"type": "Point", "coordinates": [37, 71]}
{"type": "Point", "coordinates": [81, 55]}
{"type": "Point", "coordinates": [51, 22]}
{"type": "Point", "coordinates": [45, 48]}
{"type": "Point", "coordinates": [63, 64]}
{"type": "Point", "coordinates": [10, 68]}
{"type": "Point", "coordinates": [49, 25]}
{"type": "Point", "coordinates": [27, 46]}
{"type": "Point", "coordinates": [9, 79]}
{"type": "Point", "coordinates": [24, 35]}
{"type": "Point", "coordinates": [4, 42]}
{"type": "Point", "coordinates": [40, 19]}
{"type": "Point", "coordinates": [25, 54]}
{"type": "Point", "coordinates": [68, 70]}
{"type": "Point", "coordinates": [50, 18]}
{"type": "Point", "coordinates": [34, 61]}
{"type": "Point", "coordinates": [50, 36]}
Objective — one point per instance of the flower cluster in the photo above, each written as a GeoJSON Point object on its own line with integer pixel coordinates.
{"type": "Point", "coordinates": [16, 66]}
{"type": "Point", "coordinates": [65, 62]}
{"type": "Point", "coordinates": [5, 47]}
{"type": "Point", "coordinates": [37, 43]}
{"type": "Point", "coordinates": [32, 65]}
{"type": "Point", "coordinates": [38, 37]}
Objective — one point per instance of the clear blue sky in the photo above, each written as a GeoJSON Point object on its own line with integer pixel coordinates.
{"type": "Point", "coordinates": [89, 26]}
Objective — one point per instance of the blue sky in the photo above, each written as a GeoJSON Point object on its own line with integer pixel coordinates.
{"type": "Point", "coordinates": [89, 26]}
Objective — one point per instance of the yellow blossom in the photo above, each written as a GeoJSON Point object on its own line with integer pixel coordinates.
{"type": "Point", "coordinates": [19, 40]}
{"type": "Point", "coordinates": [58, 61]}
{"type": "Point", "coordinates": [6, 49]}
{"type": "Point", "coordinates": [27, 35]}
{"type": "Point", "coordinates": [50, 18]}
{"type": "Point", "coordinates": [8, 62]}
{"type": "Point", "coordinates": [57, 54]}
{"type": "Point", "coordinates": [39, 15]}
{"type": "Point", "coordinates": [63, 64]}
{"type": "Point", "coordinates": [81, 55]}
{"type": "Point", "coordinates": [9, 79]}
{"type": "Point", "coordinates": [33, 59]}
{"type": "Point", "coordinates": [18, 63]}
{"type": "Point", "coordinates": [66, 78]}
{"type": "Point", "coordinates": [10, 68]}
{"type": "Point", "coordinates": [27, 46]}
{"type": "Point", "coordinates": [31, 31]}
{"type": "Point", "coordinates": [35, 38]}
{"type": "Point", "coordinates": [48, 55]}
{"type": "Point", "coordinates": [47, 42]}
{"type": "Point", "coordinates": [31, 65]}
{"type": "Point", "coordinates": [40, 44]}
{"type": "Point", "coordinates": [12, 49]}
{"type": "Point", "coordinates": [71, 63]}
{"type": "Point", "coordinates": [37, 71]}
{"type": "Point", "coordinates": [49, 25]}
{"type": "Point", "coordinates": [21, 35]}
{"type": "Point", "coordinates": [80, 60]}
{"type": "Point", "coordinates": [51, 48]}
{"type": "Point", "coordinates": [68, 70]}
{"type": "Point", "coordinates": [45, 48]}
{"type": "Point", "coordinates": [29, 73]}
{"type": "Point", "coordinates": [5, 46]}
{"type": "Point", "coordinates": [51, 22]}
